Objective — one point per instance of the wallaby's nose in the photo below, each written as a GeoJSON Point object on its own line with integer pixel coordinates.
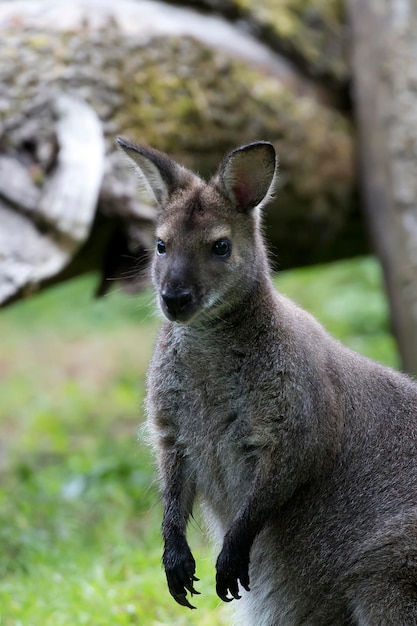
{"type": "Point", "coordinates": [176, 300]}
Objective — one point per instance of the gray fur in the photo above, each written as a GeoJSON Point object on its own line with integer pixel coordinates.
{"type": "Point", "coordinates": [301, 451]}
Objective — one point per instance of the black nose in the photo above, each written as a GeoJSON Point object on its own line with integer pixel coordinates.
{"type": "Point", "coordinates": [176, 299]}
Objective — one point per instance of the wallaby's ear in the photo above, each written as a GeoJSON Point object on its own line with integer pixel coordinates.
{"type": "Point", "coordinates": [246, 176]}
{"type": "Point", "coordinates": [162, 175]}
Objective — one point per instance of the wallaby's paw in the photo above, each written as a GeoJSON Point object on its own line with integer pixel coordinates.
{"type": "Point", "coordinates": [179, 567]}
{"type": "Point", "coordinates": [232, 568]}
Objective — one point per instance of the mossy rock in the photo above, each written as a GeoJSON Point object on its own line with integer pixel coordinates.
{"type": "Point", "coordinates": [314, 30]}
{"type": "Point", "coordinates": [310, 32]}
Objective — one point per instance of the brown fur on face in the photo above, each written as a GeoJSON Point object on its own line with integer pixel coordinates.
{"type": "Point", "coordinates": [189, 228]}
{"type": "Point", "coordinates": [302, 452]}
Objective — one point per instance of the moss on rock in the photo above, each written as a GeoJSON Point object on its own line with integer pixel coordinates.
{"type": "Point", "coordinates": [312, 32]}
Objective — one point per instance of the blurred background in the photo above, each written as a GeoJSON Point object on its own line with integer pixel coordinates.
{"type": "Point", "coordinates": [79, 507]}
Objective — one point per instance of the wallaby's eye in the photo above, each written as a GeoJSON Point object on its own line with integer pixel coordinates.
{"type": "Point", "coordinates": [160, 247]}
{"type": "Point", "coordinates": [222, 248]}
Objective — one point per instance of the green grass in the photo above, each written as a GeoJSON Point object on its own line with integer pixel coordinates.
{"type": "Point", "coordinates": [79, 509]}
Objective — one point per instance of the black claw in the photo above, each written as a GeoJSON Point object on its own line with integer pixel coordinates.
{"type": "Point", "coordinates": [244, 581]}
{"type": "Point", "coordinates": [223, 592]}
{"type": "Point", "coordinates": [223, 596]}
{"type": "Point", "coordinates": [191, 589]}
{"type": "Point", "coordinates": [178, 590]}
{"type": "Point", "coordinates": [182, 599]}
{"type": "Point", "coordinates": [224, 588]}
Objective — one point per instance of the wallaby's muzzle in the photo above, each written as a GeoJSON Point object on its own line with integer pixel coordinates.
{"type": "Point", "coordinates": [177, 303]}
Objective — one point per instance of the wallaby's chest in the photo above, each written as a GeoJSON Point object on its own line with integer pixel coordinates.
{"type": "Point", "coordinates": [208, 403]}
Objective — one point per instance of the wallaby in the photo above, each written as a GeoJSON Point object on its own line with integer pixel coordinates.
{"type": "Point", "coordinates": [302, 452]}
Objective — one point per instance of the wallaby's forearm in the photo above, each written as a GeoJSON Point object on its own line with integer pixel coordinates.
{"type": "Point", "coordinates": [178, 497]}
{"type": "Point", "coordinates": [275, 481]}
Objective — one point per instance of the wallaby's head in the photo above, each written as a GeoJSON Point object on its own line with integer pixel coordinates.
{"type": "Point", "coordinates": [208, 251]}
